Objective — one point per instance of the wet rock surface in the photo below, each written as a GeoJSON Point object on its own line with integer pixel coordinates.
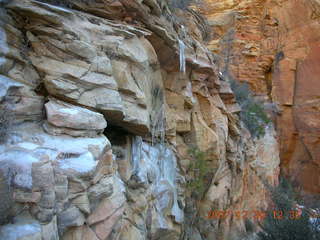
{"type": "Point", "coordinates": [108, 98]}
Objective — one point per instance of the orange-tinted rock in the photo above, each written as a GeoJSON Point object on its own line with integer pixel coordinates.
{"type": "Point", "coordinates": [274, 46]}
{"type": "Point", "coordinates": [242, 32]}
{"type": "Point", "coordinates": [300, 130]}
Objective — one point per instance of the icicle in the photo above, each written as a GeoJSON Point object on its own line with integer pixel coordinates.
{"type": "Point", "coordinates": [56, 8]}
{"type": "Point", "coordinates": [158, 128]}
{"type": "Point", "coordinates": [183, 30]}
{"type": "Point", "coordinates": [182, 47]}
{"type": "Point", "coordinates": [157, 166]}
{"type": "Point", "coordinates": [136, 154]}
{"type": "Point", "coordinates": [4, 49]}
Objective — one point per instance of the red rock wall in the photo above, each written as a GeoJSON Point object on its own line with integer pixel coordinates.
{"type": "Point", "coordinates": [296, 87]}
{"type": "Point", "coordinates": [274, 46]}
{"type": "Point", "coordinates": [243, 39]}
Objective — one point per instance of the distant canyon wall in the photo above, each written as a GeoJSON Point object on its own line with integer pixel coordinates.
{"type": "Point", "coordinates": [273, 46]}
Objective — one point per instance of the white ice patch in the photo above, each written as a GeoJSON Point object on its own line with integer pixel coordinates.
{"type": "Point", "coordinates": [70, 111]}
{"type": "Point", "coordinates": [53, 7]}
{"type": "Point", "coordinates": [68, 144]}
{"type": "Point", "coordinates": [32, 144]}
{"type": "Point", "coordinates": [182, 57]}
{"type": "Point", "coordinates": [145, 161]}
{"type": "Point", "coordinates": [5, 84]}
{"type": "Point", "coordinates": [157, 165]}
{"type": "Point", "coordinates": [27, 145]}
{"type": "Point", "coordinates": [82, 164]}
{"type": "Point", "coordinates": [17, 165]}
{"type": "Point", "coordinates": [20, 230]}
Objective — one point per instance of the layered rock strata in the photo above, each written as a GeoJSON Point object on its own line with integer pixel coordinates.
{"type": "Point", "coordinates": [102, 120]}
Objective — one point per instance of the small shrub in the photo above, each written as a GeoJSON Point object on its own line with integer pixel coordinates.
{"type": "Point", "coordinates": [287, 227]}
{"type": "Point", "coordinates": [254, 117]}
{"type": "Point", "coordinates": [200, 170]}
{"type": "Point", "coordinates": [252, 114]}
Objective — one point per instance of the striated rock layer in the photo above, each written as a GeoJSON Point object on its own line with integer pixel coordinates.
{"type": "Point", "coordinates": [273, 46]}
{"type": "Point", "coordinates": [101, 102]}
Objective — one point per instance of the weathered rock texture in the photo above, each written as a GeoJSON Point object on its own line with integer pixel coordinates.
{"type": "Point", "coordinates": [244, 37]}
{"type": "Point", "coordinates": [102, 119]}
{"type": "Point", "coordinates": [273, 45]}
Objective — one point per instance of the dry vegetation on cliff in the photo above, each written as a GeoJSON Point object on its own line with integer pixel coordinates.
{"type": "Point", "coordinates": [290, 225]}
{"type": "Point", "coordinates": [200, 170]}
{"type": "Point", "coordinates": [252, 114]}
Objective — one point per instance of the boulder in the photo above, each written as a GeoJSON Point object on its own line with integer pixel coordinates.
{"type": "Point", "coordinates": [62, 114]}
{"type": "Point", "coordinates": [65, 118]}
{"type": "Point", "coordinates": [104, 228]}
{"type": "Point", "coordinates": [106, 208]}
{"type": "Point", "coordinates": [71, 217]}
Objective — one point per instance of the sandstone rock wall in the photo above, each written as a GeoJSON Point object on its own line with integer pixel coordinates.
{"type": "Point", "coordinates": [101, 120]}
{"type": "Point", "coordinates": [296, 89]}
{"type": "Point", "coordinates": [245, 40]}
{"type": "Point", "coordinates": [272, 45]}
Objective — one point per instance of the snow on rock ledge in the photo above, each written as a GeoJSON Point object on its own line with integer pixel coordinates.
{"type": "Point", "coordinates": [70, 118]}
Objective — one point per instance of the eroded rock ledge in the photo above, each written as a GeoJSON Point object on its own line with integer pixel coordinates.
{"type": "Point", "coordinates": [102, 119]}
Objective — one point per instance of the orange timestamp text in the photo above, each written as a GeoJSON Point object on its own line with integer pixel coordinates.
{"type": "Point", "coordinates": [254, 214]}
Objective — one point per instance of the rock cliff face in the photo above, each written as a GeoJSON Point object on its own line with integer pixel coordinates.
{"type": "Point", "coordinates": [273, 46]}
{"type": "Point", "coordinates": [101, 102]}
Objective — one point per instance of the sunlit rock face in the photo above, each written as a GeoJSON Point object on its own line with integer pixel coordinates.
{"type": "Point", "coordinates": [101, 103]}
{"type": "Point", "coordinates": [273, 46]}
{"type": "Point", "coordinates": [243, 34]}
{"type": "Point", "coordinates": [76, 55]}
